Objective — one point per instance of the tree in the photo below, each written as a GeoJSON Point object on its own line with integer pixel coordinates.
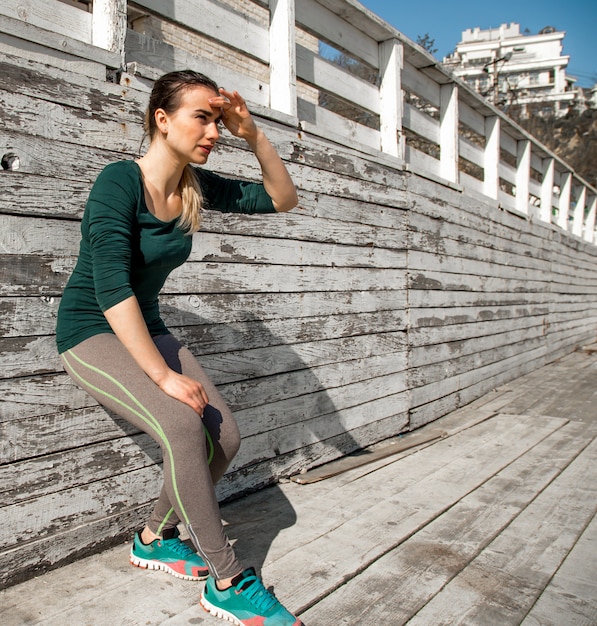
{"type": "Point", "coordinates": [427, 43]}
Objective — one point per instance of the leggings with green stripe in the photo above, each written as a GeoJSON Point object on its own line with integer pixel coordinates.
{"type": "Point", "coordinates": [196, 451]}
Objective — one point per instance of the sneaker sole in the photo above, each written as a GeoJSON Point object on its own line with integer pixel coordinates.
{"type": "Point", "coordinates": [158, 565]}
{"type": "Point", "coordinates": [216, 611]}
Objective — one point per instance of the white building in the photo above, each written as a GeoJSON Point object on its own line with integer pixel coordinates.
{"type": "Point", "coordinates": [511, 68]}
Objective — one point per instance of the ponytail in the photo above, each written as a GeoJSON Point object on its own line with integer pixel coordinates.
{"type": "Point", "coordinates": [192, 201]}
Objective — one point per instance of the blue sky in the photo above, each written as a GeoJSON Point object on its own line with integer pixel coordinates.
{"type": "Point", "coordinates": [445, 21]}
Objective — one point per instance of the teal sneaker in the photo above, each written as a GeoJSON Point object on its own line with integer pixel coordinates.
{"type": "Point", "coordinates": [246, 603]}
{"type": "Point", "coordinates": [169, 554]}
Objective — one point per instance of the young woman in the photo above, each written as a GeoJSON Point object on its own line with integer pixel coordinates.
{"type": "Point", "coordinates": [136, 229]}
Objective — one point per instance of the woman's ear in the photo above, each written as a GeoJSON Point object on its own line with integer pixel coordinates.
{"type": "Point", "coordinates": [161, 120]}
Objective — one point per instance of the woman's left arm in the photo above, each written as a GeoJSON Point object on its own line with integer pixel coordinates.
{"type": "Point", "coordinates": [238, 120]}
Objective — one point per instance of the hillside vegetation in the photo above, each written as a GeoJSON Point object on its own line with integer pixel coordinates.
{"type": "Point", "coordinates": [572, 137]}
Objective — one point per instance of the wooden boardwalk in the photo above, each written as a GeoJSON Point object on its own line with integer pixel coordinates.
{"type": "Point", "coordinates": [492, 523]}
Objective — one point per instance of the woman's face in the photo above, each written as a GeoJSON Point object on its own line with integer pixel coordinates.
{"type": "Point", "coordinates": [192, 130]}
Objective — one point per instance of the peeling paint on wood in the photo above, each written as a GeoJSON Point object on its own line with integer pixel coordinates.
{"type": "Point", "coordinates": [383, 302]}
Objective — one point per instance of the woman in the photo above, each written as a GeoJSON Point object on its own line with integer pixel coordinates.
{"type": "Point", "coordinates": [136, 229]}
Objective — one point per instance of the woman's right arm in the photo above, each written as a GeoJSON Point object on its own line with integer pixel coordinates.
{"type": "Point", "coordinates": [110, 218]}
{"type": "Point", "coordinates": [128, 324]}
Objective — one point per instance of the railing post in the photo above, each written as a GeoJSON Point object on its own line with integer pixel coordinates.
{"type": "Point", "coordinates": [390, 98]}
{"type": "Point", "coordinates": [108, 28]}
{"type": "Point", "coordinates": [448, 132]}
{"type": "Point", "coordinates": [523, 173]}
{"type": "Point", "coordinates": [491, 158]}
{"type": "Point", "coordinates": [282, 57]}
{"type": "Point", "coordinates": [564, 205]}
{"type": "Point", "coordinates": [547, 189]}
{"type": "Point", "coordinates": [579, 212]}
{"type": "Point", "coordinates": [589, 233]}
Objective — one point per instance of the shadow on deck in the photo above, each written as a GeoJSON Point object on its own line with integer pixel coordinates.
{"type": "Point", "coordinates": [493, 523]}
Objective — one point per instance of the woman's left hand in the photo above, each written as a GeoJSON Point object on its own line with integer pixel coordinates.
{"type": "Point", "coordinates": [235, 115]}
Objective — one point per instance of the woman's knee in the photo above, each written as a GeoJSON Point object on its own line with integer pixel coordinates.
{"type": "Point", "coordinates": [185, 428]}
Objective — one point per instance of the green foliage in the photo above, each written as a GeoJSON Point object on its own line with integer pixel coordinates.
{"type": "Point", "coordinates": [427, 43]}
{"type": "Point", "coordinates": [572, 137]}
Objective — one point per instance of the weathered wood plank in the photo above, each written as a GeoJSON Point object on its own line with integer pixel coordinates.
{"type": "Point", "coordinates": [360, 542]}
{"type": "Point", "coordinates": [260, 362]}
{"type": "Point", "coordinates": [52, 473]}
{"type": "Point", "coordinates": [353, 461]}
{"type": "Point", "coordinates": [448, 281]}
{"type": "Point", "coordinates": [51, 15]}
{"type": "Point", "coordinates": [51, 159]}
{"type": "Point", "coordinates": [429, 335]}
{"type": "Point", "coordinates": [50, 433]}
{"type": "Point", "coordinates": [25, 396]}
{"type": "Point", "coordinates": [524, 557]}
{"type": "Point", "coordinates": [432, 353]}
{"type": "Point", "coordinates": [43, 517]}
{"type": "Point", "coordinates": [28, 355]}
{"type": "Point", "coordinates": [153, 57]}
{"type": "Point", "coordinates": [21, 235]}
{"type": "Point", "coordinates": [233, 28]}
{"type": "Point", "coordinates": [76, 126]}
{"type": "Point", "coordinates": [35, 557]}
{"type": "Point", "coordinates": [328, 26]}
{"type": "Point", "coordinates": [571, 595]}
{"type": "Point", "coordinates": [409, 576]}
{"type": "Point", "coordinates": [37, 275]}
{"type": "Point", "coordinates": [103, 98]}
{"type": "Point", "coordinates": [32, 317]}
{"type": "Point", "coordinates": [56, 41]}
{"type": "Point", "coordinates": [23, 51]}
{"type": "Point", "coordinates": [215, 277]}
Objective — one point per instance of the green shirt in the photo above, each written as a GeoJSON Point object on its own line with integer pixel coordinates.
{"type": "Point", "coordinates": [125, 250]}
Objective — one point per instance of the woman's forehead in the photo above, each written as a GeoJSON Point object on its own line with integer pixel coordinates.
{"type": "Point", "coordinates": [197, 93]}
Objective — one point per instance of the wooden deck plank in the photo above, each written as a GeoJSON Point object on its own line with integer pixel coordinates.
{"type": "Point", "coordinates": [545, 393]}
{"type": "Point", "coordinates": [341, 508]}
{"type": "Point", "coordinates": [391, 506]}
{"type": "Point", "coordinates": [571, 596]}
{"type": "Point", "coordinates": [399, 584]}
{"type": "Point", "coordinates": [504, 582]}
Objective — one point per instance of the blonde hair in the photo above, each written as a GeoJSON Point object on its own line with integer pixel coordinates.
{"type": "Point", "coordinates": [192, 201]}
{"type": "Point", "coordinates": [166, 95]}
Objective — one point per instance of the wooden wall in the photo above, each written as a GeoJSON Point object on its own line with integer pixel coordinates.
{"type": "Point", "coordinates": [385, 301]}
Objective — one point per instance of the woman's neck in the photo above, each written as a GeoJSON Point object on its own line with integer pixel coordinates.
{"type": "Point", "coordinates": [161, 180]}
{"type": "Point", "coordinates": [161, 171]}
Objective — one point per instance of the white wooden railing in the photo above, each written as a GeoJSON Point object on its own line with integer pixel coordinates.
{"type": "Point", "coordinates": [414, 96]}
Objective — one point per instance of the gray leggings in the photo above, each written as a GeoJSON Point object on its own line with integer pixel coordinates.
{"type": "Point", "coordinates": [194, 460]}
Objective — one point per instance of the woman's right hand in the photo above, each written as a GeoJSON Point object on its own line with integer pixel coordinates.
{"type": "Point", "coordinates": [128, 324]}
{"type": "Point", "coordinates": [186, 390]}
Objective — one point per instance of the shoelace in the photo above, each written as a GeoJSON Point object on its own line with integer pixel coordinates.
{"type": "Point", "coordinates": [252, 588]}
{"type": "Point", "coordinates": [181, 548]}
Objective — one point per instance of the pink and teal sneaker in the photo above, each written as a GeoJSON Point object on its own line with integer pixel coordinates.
{"type": "Point", "coordinates": [169, 554]}
{"type": "Point", "coordinates": [246, 603]}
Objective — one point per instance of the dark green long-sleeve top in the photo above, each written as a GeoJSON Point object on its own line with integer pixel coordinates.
{"type": "Point", "coordinates": [125, 250]}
